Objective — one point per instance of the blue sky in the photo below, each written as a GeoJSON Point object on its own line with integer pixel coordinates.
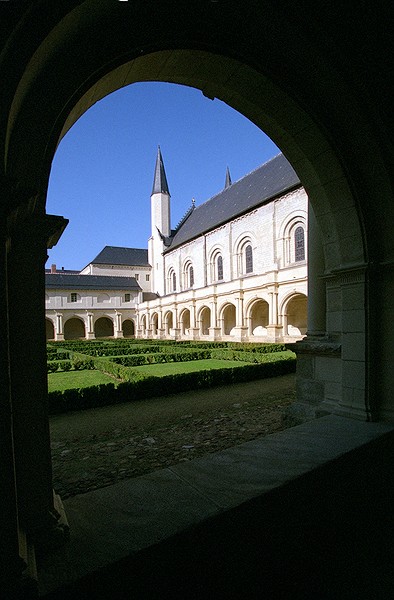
{"type": "Point", "coordinates": [102, 172]}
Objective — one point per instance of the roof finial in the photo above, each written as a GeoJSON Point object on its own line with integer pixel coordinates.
{"type": "Point", "coordinates": [160, 185]}
{"type": "Point", "coordinates": [228, 179]}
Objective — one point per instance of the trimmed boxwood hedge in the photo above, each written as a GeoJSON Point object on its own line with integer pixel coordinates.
{"type": "Point", "coordinates": [137, 386]}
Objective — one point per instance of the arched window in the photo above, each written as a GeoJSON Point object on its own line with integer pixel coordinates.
{"type": "Point", "coordinates": [171, 281]}
{"type": "Point", "coordinates": [187, 275]}
{"type": "Point", "coordinates": [299, 244]}
{"type": "Point", "coordinates": [219, 268]}
{"type": "Point", "coordinates": [248, 259]}
{"type": "Point", "coordinates": [216, 266]}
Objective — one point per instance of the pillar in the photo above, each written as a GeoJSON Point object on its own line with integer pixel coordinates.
{"type": "Point", "coordinates": [176, 328]}
{"type": "Point", "coordinates": [90, 335]}
{"type": "Point", "coordinates": [193, 330]}
{"type": "Point", "coordinates": [28, 378]}
{"type": "Point", "coordinates": [214, 329]}
{"type": "Point", "coordinates": [316, 356]}
{"type": "Point", "coordinates": [241, 330]}
{"type": "Point", "coordinates": [10, 559]}
{"type": "Point", "coordinates": [316, 283]}
{"type": "Point", "coordinates": [59, 327]}
{"type": "Point", "coordinates": [118, 332]}
{"type": "Point", "coordinates": [273, 327]}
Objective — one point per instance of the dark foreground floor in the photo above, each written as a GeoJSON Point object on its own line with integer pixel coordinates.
{"type": "Point", "coordinates": [304, 513]}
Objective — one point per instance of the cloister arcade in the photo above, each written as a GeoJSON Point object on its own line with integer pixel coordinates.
{"type": "Point", "coordinates": [296, 74]}
{"type": "Point", "coordinates": [231, 319]}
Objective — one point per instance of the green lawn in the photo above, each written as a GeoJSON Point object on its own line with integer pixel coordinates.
{"type": "Point", "coordinates": [187, 367]}
{"type": "Point", "coordinates": [76, 379]}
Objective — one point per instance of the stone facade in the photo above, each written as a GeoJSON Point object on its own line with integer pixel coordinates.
{"type": "Point", "coordinates": [242, 279]}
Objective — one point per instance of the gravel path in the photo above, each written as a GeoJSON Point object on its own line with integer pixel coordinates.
{"type": "Point", "coordinates": [95, 448]}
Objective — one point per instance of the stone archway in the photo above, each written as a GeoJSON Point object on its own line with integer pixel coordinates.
{"type": "Point", "coordinates": [205, 320]}
{"type": "Point", "coordinates": [155, 324]}
{"type": "Point", "coordinates": [296, 316]}
{"type": "Point", "coordinates": [185, 322]}
{"type": "Point", "coordinates": [49, 330]}
{"type": "Point", "coordinates": [341, 149]}
{"type": "Point", "coordinates": [168, 323]}
{"type": "Point", "coordinates": [104, 327]}
{"type": "Point", "coordinates": [228, 319]}
{"type": "Point", "coordinates": [74, 329]}
{"type": "Point", "coordinates": [258, 318]}
{"type": "Point", "coordinates": [128, 328]}
{"type": "Point", "coordinates": [276, 109]}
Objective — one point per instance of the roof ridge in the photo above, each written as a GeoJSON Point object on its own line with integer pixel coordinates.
{"type": "Point", "coordinates": [185, 217]}
{"type": "Point", "coordinates": [234, 183]}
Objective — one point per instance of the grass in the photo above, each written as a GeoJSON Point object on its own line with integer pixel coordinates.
{"type": "Point", "coordinates": [76, 379]}
{"type": "Point", "coordinates": [187, 367]}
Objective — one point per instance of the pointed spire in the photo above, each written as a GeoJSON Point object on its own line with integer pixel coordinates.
{"type": "Point", "coordinates": [160, 185]}
{"type": "Point", "coordinates": [228, 179]}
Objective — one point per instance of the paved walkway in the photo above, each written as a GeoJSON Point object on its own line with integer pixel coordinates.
{"type": "Point", "coordinates": [121, 520]}
{"type": "Point", "coordinates": [99, 447]}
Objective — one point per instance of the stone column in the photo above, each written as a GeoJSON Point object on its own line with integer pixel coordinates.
{"type": "Point", "coordinates": [214, 329]}
{"type": "Point", "coordinates": [316, 283]}
{"type": "Point", "coordinates": [90, 327]}
{"type": "Point", "coordinates": [9, 541]}
{"type": "Point", "coordinates": [59, 328]}
{"type": "Point", "coordinates": [118, 333]}
{"type": "Point", "coordinates": [193, 330]}
{"type": "Point", "coordinates": [273, 328]}
{"type": "Point", "coordinates": [176, 328]}
{"type": "Point", "coordinates": [241, 330]}
{"type": "Point", "coordinates": [161, 333]}
{"type": "Point", "coordinates": [28, 376]}
{"type": "Point", "coordinates": [316, 356]}
{"type": "Point", "coordinates": [148, 330]}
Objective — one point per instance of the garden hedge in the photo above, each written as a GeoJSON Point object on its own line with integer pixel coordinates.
{"type": "Point", "coordinates": [138, 386]}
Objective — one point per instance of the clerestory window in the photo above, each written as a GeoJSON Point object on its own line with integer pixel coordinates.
{"type": "Point", "coordinates": [299, 244]}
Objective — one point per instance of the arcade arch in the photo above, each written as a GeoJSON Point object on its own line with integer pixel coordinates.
{"type": "Point", "coordinates": [74, 329]}
{"type": "Point", "coordinates": [49, 330]}
{"type": "Point", "coordinates": [104, 327]}
{"type": "Point", "coordinates": [228, 319]}
{"type": "Point", "coordinates": [128, 328]}
{"type": "Point", "coordinates": [185, 321]}
{"type": "Point", "coordinates": [168, 323]}
{"type": "Point", "coordinates": [295, 315]}
{"type": "Point", "coordinates": [204, 318]}
{"type": "Point", "coordinates": [258, 316]}
{"type": "Point", "coordinates": [154, 320]}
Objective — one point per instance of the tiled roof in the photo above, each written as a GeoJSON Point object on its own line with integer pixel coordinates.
{"type": "Point", "coordinates": [115, 255]}
{"type": "Point", "coordinates": [273, 178]}
{"type": "Point", "coordinates": [89, 282]}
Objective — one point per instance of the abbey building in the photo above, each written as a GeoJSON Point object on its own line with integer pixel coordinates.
{"type": "Point", "coordinates": [234, 268]}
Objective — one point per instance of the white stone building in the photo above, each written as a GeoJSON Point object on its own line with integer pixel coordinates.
{"type": "Point", "coordinates": [233, 269]}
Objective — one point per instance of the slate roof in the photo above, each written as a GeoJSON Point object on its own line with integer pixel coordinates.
{"type": "Point", "coordinates": [160, 185]}
{"type": "Point", "coordinates": [89, 282]}
{"type": "Point", "coordinates": [273, 178]}
{"type": "Point", "coordinates": [64, 271]}
{"type": "Point", "coordinates": [115, 255]}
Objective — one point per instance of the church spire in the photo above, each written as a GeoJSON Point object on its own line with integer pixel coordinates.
{"type": "Point", "coordinates": [160, 185]}
{"type": "Point", "coordinates": [228, 179]}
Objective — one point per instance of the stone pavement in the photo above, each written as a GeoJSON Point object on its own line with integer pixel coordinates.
{"type": "Point", "coordinates": [121, 520]}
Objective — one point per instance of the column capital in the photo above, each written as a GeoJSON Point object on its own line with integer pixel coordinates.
{"type": "Point", "coordinates": [47, 229]}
